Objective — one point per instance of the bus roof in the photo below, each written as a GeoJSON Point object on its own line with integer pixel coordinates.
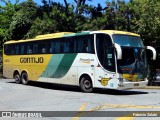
{"type": "Point", "coordinates": [42, 37]}
{"type": "Point", "coordinates": [54, 35]}
{"type": "Point", "coordinates": [67, 34]}
{"type": "Point", "coordinates": [111, 32]}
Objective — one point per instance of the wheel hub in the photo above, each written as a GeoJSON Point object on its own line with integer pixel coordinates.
{"type": "Point", "coordinates": [87, 84]}
{"type": "Point", "coordinates": [16, 78]}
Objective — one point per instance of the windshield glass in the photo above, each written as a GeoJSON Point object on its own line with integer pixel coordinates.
{"type": "Point", "coordinates": [133, 65]}
{"type": "Point", "coordinates": [132, 55]}
{"type": "Point", "coordinates": [127, 40]}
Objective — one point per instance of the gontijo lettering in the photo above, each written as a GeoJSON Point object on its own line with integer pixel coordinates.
{"type": "Point", "coordinates": [31, 60]}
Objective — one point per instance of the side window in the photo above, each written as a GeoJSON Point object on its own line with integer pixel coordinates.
{"type": "Point", "coordinates": [17, 49]}
{"type": "Point", "coordinates": [68, 44]}
{"type": "Point", "coordinates": [90, 46]}
{"type": "Point", "coordinates": [41, 47]}
{"type": "Point", "coordinates": [13, 49]}
{"type": "Point", "coordinates": [58, 46]}
{"type": "Point", "coordinates": [75, 44]}
{"type": "Point", "coordinates": [84, 44]}
{"type": "Point", "coordinates": [61, 45]}
{"type": "Point", "coordinates": [23, 48]}
{"type": "Point", "coordinates": [7, 49]}
{"type": "Point", "coordinates": [31, 48]}
{"type": "Point", "coordinates": [80, 44]}
{"type": "Point", "coordinates": [52, 46]}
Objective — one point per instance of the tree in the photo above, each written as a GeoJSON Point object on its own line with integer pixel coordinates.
{"type": "Point", "coordinates": [113, 16]}
{"type": "Point", "coordinates": [23, 19]}
{"type": "Point", "coordinates": [6, 13]}
{"type": "Point", "coordinates": [146, 20]}
{"type": "Point", "coordinates": [52, 17]}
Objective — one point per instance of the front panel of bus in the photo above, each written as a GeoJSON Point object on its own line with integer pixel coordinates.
{"type": "Point", "coordinates": [133, 65]}
{"type": "Point", "coordinates": [131, 70]}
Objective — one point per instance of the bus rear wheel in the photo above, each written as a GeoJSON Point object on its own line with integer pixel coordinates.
{"type": "Point", "coordinates": [24, 78]}
{"type": "Point", "coordinates": [17, 78]}
{"type": "Point", "coordinates": [86, 84]}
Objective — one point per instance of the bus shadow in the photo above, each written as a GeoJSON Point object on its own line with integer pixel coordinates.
{"type": "Point", "coordinates": [77, 89]}
{"type": "Point", "coordinates": [55, 86]}
{"type": "Point", "coordinates": [52, 86]}
{"type": "Point", "coordinates": [119, 92]}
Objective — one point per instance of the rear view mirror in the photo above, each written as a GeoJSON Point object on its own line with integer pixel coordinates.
{"type": "Point", "coordinates": [153, 51]}
{"type": "Point", "coordinates": [119, 51]}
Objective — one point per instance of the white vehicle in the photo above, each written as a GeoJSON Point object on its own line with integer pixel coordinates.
{"type": "Point", "coordinates": [96, 59]}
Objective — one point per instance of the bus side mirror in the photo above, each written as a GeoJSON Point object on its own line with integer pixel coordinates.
{"type": "Point", "coordinates": [153, 51]}
{"type": "Point", "coordinates": [119, 51]}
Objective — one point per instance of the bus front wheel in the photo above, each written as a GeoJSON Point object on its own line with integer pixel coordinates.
{"type": "Point", "coordinates": [86, 84]}
{"type": "Point", "coordinates": [24, 78]}
{"type": "Point", "coordinates": [17, 78]}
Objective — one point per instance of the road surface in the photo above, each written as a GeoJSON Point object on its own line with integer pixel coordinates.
{"type": "Point", "coordinates": [102, 104]}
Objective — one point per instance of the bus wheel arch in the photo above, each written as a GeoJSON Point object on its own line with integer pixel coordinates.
{"type": "Point", "coordinates": [24, 77]}
{"type": "Point", "coordinates": [16, 76]}
{"type": "Point", "coordinates": [86, 83]}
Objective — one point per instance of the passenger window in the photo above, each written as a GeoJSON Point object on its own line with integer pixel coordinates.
{"type": "Point", "coordinates": [7, 49]}
{"type": "Point", "coordinates": [80, 45]}
{"type": "Point", "coordinates": [41, 47]}
{"type": "Point", "coordinates": [58, 47]}
{"type": "Point", "coordinates": [85, 44]}
{"type": "Point", "coordinates": [23, 49]}
{"type": "Point", "coordinates": [68, 45]}
{"type": "Point", "coordinates": [13, 49]}
{"type": "Point", "coordinates": [30, 49]}
{"type": "Point", "coordinates": [17, 49]}
{"type": "Point", "coordinates": [52, 47]}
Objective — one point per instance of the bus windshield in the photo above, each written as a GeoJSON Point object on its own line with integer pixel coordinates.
{"type": "Point", "coordinates": [133, 55]}
{"type": "Point", "coordinates": [127, 40]}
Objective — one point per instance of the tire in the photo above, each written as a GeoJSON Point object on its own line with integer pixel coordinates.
{"type": "Point", "coordinates": [17, 78]}
{"type": "Point", "coordinates": [24, 78]}
{"type": "Point", "coordinates": [86, 84]}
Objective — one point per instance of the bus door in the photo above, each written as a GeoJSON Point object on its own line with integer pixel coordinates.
{"type": "Point", "coordinates": [106, 59]}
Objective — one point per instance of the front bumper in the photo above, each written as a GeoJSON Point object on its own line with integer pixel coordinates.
{"type": "Point", "coordinates": [130, 85]}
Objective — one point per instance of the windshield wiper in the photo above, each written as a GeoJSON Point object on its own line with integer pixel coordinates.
{"type": "Point", "coordinates": [137, 61]}
{"type": "Point", "coordinates": [133, 68]}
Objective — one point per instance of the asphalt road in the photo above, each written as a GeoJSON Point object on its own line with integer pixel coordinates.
{"type": "Point", "coordinates": [113, 104]}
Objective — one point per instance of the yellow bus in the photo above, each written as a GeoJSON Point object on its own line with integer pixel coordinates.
{"type": "Point", "coordinates": [94, 59]}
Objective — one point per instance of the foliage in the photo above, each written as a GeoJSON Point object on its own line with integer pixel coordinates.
{"type": "Point", "coordinates": [27, 19]}
{"type": "Point", "coordinates": [147, 20]}
{"type": "Point", "coordinates": [23, 19]}
{"type": "Point", "coordinates": [6, 13]}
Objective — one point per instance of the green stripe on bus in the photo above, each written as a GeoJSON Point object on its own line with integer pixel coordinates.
{"type": "Point", "coordinates": [59, 65]}
{"type": "Point", "coordinates": [52, 65]}
{"type": "Point", "coordinates": [64, 65]}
